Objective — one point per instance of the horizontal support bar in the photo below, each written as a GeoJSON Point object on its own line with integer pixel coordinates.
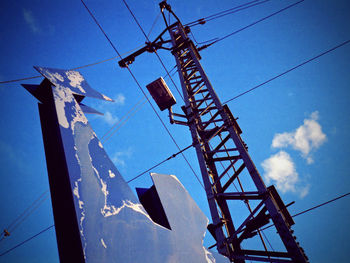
{"type": "Point", "coordinates": [227, 158]}
{"type": "Point", "coordinates": [241, 196]}
{"type": "Point", "coordinates": [195, 82]}
{"type": "Point", "coordinates": [272, 260]}
{"type": "Point", "coordinates": [179, 115]}
{"type": "Point", "coordinates": [207, 123]}
{"type": "Point", "coordinates": [266, 253]}
{"type": "Point", "coordinates": [179, 122]}
{"type": "Point", "coordinates": [224, 150]}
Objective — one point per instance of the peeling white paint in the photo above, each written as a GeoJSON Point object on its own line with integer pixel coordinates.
{"type": "Point", "coordinates": [106, 98]}
{"type": "Point", "coordinates": [112, 210]}
{"type": "Point", "coordinates": [78, 117]}
{"type": "Point", "coordinates": [76, 190]}
{"type": "Point", "coordinates": [96, 172]}
{"type": "Point", "coordinates": [75, 79]}
{"type": "Point", "coordinates": [111, 174]}
{"type": "Point", "coordinates": [208, 256]}
{"type": "Point", "coordinates": [103, 243]}
{"type": "Point", "coordinates": [49, 75]}
{"type": "Point", "coordinates": [104, 188]}
{"type": "Point", "coordinates": [59, 77]}
{"type": "Point", "coordinates": [62, 96]}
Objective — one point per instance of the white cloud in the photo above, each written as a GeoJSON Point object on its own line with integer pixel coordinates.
{"type": "Point", "coordinates": [110, 109]}
{"type": "Point", "coordinates": [119, 99]}
{"type": "Point", "coordinates": [280, 170]}
{"type": "Point", "coordinates": [119, 157]}
{"type": "Point", "coordinates": [306, 138]}
{"type": "Point", "coordinates": [304, 190]}
{"type": "Point", "coordinates": [30, 20]}
{"type": "Point", "coordinates": [109, 118]}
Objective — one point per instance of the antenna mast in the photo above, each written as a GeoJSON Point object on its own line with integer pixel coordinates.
{"type": "Point", "coordinates": [223, 157]}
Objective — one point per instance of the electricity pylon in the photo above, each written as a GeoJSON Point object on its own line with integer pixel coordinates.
{"type": "Point", "coordinates": [223, 156]}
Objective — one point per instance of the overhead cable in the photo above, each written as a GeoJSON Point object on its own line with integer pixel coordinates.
{"type": "Point", "coordinates": [289, 70]}
{"type": "Point", "coordinates": [155, 51]}
{"type": "Point", "coordinates": [25, 241]}
{"type": "Point", "coordinates": [143, 92]}
{"type": "Point", "coordinates": [314, 207]}
{"type": "Point", "coordinates": [154, 23]}
{"type": "Point", "coordinates": [317, 206]}
{"type": "Point", "coordinates": [87, 65]}
{"type": "Point", "coordinates": [128, 52]}
{"type": "Point", "coordinates": [233, 10]}
{"type": "Point", "coordinates": [134, 178]}
{"type": "Point", "coordinates": [80, 67]}
{"type": "Point", "coordinates": [138, 105]}
{"type": "Point", "coordinates": [256, 22]}
{"type": "Point", "coordinates": [24, 215]}
{"type": "Point", "coordinates": [167, 159]}
{"type": "Point", "coordinates": [300, 213]}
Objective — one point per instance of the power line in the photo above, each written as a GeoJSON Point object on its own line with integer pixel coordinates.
{"type": "Point", "coordinates": [25, 214]}
{"type": "Point", "coordinates": [317, 206]}
{"type": "Point", "coordinates": [134, 178]}
{"type": "Point", "coordinates": [143, 92]}
{"type": "Point", "coordinates": [128, 52]}
{"type": "Point", "coordinates": [121, 122]}
{"type": "Point", "coordinates": [155, 51]}
{"type": "Point", "coordinates": [154, 23]}
{"type": "Point", "coordinates": [233, 10]}
{"type": "Point", "coordinates": [300, 213]}
{"type": "Point", "coordinates": [87, 65]}
{"type": "Point", "coordinates": [25, 241]}
{"type": "Point", "coordinates": [167, 159]}
{"type": "Point", "coordinates": [80, 67]}
{"type": "Point", "coordinates": [254, 23]}
{"type": "Point", "coordinates": [289, 70]}
{"type": "Point", "coordinates": [115, 57]}
{"type": "Point", "coordinates": [171, 71]}
{"type": "Point", "coordinates": [314, 207]}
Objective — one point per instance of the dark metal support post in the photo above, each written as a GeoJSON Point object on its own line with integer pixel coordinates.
{"type": "Point", "coordinates": [66, 225]}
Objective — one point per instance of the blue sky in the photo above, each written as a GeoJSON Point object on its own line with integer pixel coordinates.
{"type": "Point", "coordinates": [301, 119]}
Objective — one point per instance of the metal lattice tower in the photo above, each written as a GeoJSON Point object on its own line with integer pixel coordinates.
{"type": "Point", "coordinates": [223, 159]}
